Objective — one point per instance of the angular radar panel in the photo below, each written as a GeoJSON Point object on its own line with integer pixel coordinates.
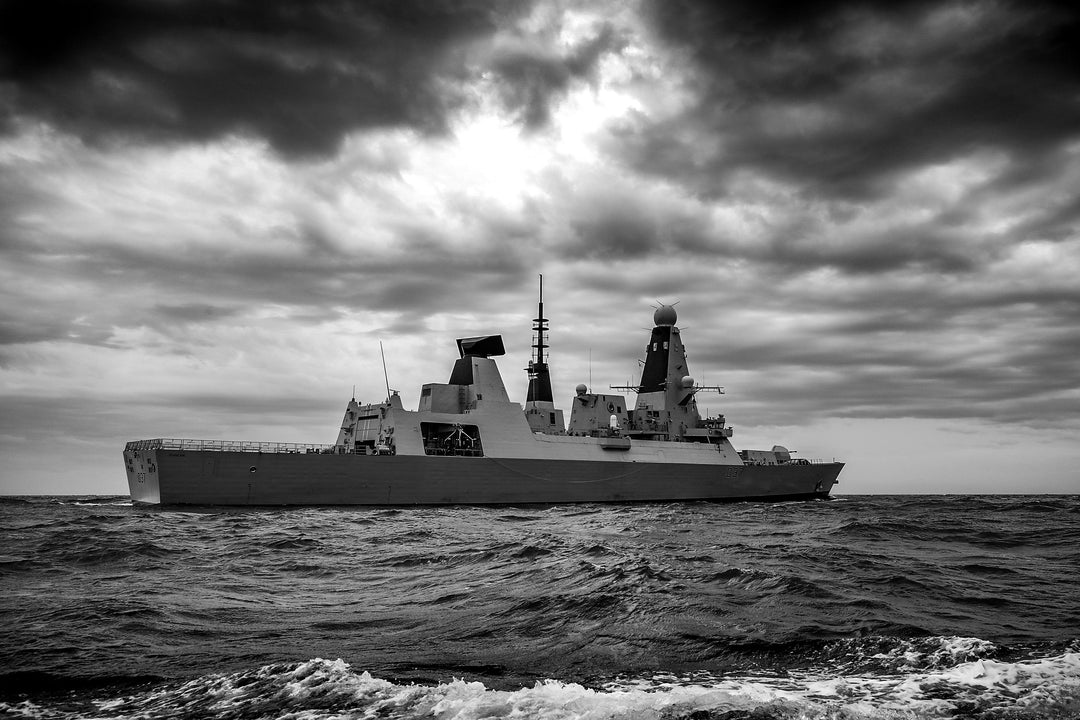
{"type": "Point", "coordinates": [483, 346]}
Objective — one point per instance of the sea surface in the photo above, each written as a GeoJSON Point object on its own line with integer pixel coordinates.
{"type": "Point", "coordinates": [857, 607]}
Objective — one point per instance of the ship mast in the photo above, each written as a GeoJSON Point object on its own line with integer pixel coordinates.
{"type": "Point", "coordinates": [540, 410]}
{"type": "Point", "coordinates": [539, 377]}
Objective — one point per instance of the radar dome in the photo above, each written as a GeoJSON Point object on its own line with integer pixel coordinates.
{"type": "Point", "coordinates": [665, 315]}
{"type": "Point", "coordinates": [581, 389]}
{"type": "Point", "coordinates": [687, 382]}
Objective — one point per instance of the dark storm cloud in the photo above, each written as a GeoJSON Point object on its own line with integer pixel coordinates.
{"type": "Point", "coordinates": [20, 325]}
{"type": "Point", "coordinates": [1007, 356]}
{"type": "Point", "coordinates": [621, 225]}
{"type": "Point", "coordinates": [300, 74]}
{"type": "Point", "coordinates": [314, 280]}
{"type": "Point", "coordinates": [922, 247]}
{"type": "Point", "coordinates": [531, 77]}
{"type": "Point", "coordinates": [959, 392]}
{"type": "Point", "coordinates": [839, 97]}
{"type": "Point", "coordinates": [194, 312]}
{"type": "Point", "coordinates": [614, 233]}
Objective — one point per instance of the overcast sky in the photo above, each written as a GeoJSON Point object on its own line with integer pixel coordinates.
{"type": "Point", "coordinates": [869, 215]}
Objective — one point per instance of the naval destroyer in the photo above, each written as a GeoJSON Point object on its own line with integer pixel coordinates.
{"type": "Point", "coordinates": [468, 443]}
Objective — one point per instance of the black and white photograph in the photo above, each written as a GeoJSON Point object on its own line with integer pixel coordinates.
{"type": "Point", "coordinates": [539, 359]}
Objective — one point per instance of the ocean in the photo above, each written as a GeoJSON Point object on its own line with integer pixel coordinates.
{"type": "Point", "coordinates": [856, 607]}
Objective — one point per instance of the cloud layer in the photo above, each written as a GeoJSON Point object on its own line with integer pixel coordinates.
{"type": "Point", "coordinates": [868, 214]}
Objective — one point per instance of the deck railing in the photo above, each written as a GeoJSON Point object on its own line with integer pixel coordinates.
{"type": "Point", "coordinates": [793, 461]}
{"type": "Point", "coordinates": [228, 446]}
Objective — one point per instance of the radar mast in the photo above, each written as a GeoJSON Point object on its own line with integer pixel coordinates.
{"type": "Point", "coordinates": [539, 406]}
{"type": "Point", "coordinates": [539, 378]}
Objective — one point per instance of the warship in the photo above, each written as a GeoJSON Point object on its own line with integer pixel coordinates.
{"type": "Point", "coordinates": [468, 443]}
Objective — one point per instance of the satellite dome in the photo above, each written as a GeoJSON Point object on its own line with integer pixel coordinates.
{"type": "Point", "coordinates": [687, 382]}
{"type": "Point", "coordinates": [665, 315]}
{"type": "Point", "coordinates": [581, 389]}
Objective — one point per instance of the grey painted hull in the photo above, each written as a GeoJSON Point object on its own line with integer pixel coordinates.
{"type": "Point", "coordinates": [208, 477]}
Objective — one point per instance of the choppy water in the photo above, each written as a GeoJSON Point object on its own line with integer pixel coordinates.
{"type": "Point", "coordinates": [860, 607]}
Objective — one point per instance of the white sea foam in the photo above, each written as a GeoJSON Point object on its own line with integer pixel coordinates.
{"type": "Point", "coordinates": [1048, 687]}
{"type": "Point", "coordinates": [24, 709]}
{"type": "Point", "coordinates": [1043, 688]}
{"type": "Point", "coordinates": [322, 689]}
{"type": "Point", "coordinates": [934, 652]}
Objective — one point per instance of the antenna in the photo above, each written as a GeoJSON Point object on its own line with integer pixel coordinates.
{"type": "Point", "coordinates": [541, 324]}
{"type": "Point", "coordinates": [385, 376]}
{"type": "Point", "coordinates": [590, 369]}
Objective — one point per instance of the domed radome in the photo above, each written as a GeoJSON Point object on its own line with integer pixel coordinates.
{"type": "Point", "coordinates": [665, 315]}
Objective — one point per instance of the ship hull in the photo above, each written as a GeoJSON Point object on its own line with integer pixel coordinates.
{"type": "Point", "coordinates": [208, 477]}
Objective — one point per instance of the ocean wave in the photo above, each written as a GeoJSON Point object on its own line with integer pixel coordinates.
{"type": "Point", "coordinates": [98, 546]}
{"type": "Point", "coordinates": [1046, 687]}
{"type": "Point", "coordinates": [580, 594]}
{"type": "Point", "coordinates": [22, 683]}
{"type": "Point", "coordinates": [120, 500]}
{"type": "Point", "coordinates": [111, 500]}
{"type": "Point", "coordinates": [293, 543]}
{"type": "Point", "coordinates": [891, 654]}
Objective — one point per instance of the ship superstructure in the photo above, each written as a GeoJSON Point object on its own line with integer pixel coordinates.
{"type": "Point", "coordinates": [469, 443]}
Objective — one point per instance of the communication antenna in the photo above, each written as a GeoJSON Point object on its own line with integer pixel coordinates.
{"type": "Point", "coordinates": [541, 325]}
{"type": "Point", "coordinates": [590, 369]}
{"type": "Point", "coordinates": [385, 376]}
